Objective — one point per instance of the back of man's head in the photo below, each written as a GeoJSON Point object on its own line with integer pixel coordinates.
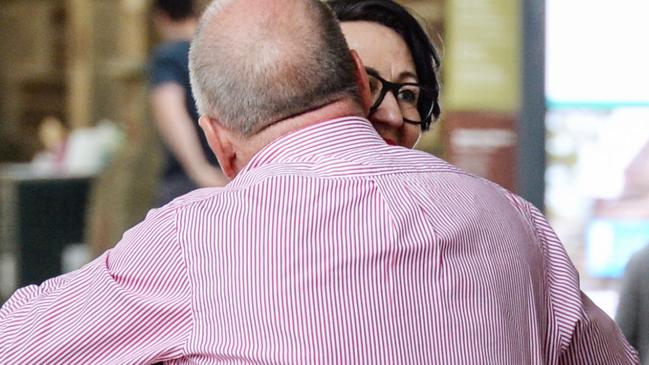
{"type": "Point", "coordinates": [253, 63]}
{"type": "Point", "coordinates": [176, 10]}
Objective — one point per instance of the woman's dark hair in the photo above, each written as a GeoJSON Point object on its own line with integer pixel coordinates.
{"type": "Point", "coordinates": [397, 18]}
{"type": "Point", "coordinates": [176, 9]}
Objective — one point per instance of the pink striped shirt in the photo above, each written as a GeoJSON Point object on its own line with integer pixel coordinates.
{"type": "Point", "coordinates": [331, 247]}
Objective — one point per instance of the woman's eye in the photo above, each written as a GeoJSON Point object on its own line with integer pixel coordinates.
{"type": "Point", "coordinates": [408, 95]}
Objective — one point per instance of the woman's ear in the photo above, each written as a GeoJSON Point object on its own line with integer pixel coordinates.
{"type": "Point", "coordinates": [220, 140]}
{"type": "Point", "coordinates": [363, 82]}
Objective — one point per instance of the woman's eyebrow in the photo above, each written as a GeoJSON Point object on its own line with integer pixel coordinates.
{"type": "Point", "coordinates": [402, 76]}
{"type": "Point", "coordinates": [407, 75]}
{"type": "Point", "coordinates": [372, 70]}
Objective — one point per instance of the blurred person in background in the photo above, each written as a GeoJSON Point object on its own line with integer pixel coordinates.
{"type": "Point", "coordinates": [189, 162]}
{"type": "Point", "coordinates": [633, 310]}
{"type": "Point", "coordinates": [402, 65]}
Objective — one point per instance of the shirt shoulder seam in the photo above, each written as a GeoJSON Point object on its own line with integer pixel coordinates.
{"type": "Point", "coordinates": [187, 276]}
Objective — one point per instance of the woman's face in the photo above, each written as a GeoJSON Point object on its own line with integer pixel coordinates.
{"type": "Point", "coordinates": [384, 51]}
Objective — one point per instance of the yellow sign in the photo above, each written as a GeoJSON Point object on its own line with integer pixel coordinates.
{"type": "Point", "coordinates": [482, 60]}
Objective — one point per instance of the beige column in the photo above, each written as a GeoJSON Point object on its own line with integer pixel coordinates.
{"type": "Point", "coordinates": [129, 68]}
{"type": "Point", "coordinates": [81, 62]}
{"type": "Point", "coordinates": [124, 192]}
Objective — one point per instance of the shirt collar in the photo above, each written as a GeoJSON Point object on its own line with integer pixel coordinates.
{"type": "Point", "coordinates": [333, 136]}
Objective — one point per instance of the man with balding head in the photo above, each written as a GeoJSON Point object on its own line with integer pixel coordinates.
{"type": "Point", "coordinates": [271, 71]}
{"type": "Point", "coordinates": [327, 247]}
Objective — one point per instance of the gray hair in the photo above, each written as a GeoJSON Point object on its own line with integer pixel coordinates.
{"type": "Point", "coordinates": [249, 82]}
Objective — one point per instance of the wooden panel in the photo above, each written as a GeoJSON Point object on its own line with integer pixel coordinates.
{"type": "Point", "coordinates": [431, 14]}
{"type": "Point", "coordinates": [31, 72]}
{"type": "Point", "coordinates": [483, 143]}
{"type": "Point", "coordinates": [81, 59]}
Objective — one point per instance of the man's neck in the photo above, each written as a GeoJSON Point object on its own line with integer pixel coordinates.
{"type": "Point", "coordinates": [253, 144]}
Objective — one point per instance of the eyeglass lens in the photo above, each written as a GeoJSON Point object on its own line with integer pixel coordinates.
{"type": "Point", "coordinates": [407, 96]}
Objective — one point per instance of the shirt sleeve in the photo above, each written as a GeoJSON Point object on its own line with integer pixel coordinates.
{"type": "Point", "coordinates": [167, 67]}
{"type": "Point", "coordinates": [578, 332]}
{"type": "Point", "coordinates": [130, 306]}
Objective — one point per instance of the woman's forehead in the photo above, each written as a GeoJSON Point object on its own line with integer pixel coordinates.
{"type": "Point", "coordinates": [380, 48]}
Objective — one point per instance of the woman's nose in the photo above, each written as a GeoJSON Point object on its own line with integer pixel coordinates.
{"type": "Point", "coordinates": [388, 112]}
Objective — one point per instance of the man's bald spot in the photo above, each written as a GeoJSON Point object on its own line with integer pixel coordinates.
{"type": "Point", "coordinates": [255, 63]}
{"type": "Point", "coordinates": [268, 31]}
{"type": "Point", "coordinates": [256, 11]}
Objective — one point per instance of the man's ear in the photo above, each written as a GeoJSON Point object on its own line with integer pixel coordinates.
{"type": "Point", "coordinates": [220, 140]}
{"type": "Point", "coordinates": [363, 82]}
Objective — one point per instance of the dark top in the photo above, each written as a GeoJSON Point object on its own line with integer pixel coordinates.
{"type": "Point", "coordinates": [633, 311]}
{"type": "Point", "coordinates": [170, 63]}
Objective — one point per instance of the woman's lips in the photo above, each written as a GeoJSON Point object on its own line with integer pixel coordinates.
{"type": "Point", "coordinates": [390, 141]}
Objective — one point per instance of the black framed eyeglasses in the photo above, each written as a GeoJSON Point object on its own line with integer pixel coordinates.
{"type": "Point", "coordinates": [415, 101]}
